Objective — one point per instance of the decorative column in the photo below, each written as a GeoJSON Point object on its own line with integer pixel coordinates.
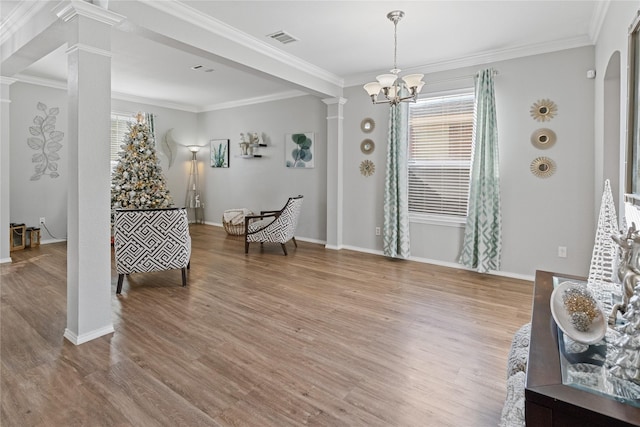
{"type": "Point", "coordinates": [5, 212]}
{"type": "Point", "coordinates": [335, 171]}
{"type": "Point", "coordinates": [89, 96]}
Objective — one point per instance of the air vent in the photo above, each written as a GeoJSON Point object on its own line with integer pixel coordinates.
{"type": "Point", "coordinates": [201, 68]}
{"type": "Point", "coordinates": [283, 37]}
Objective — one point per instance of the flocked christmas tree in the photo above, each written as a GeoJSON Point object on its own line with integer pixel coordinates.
{"type": "Point", "coordinates": [624, 359]}
{"type": "Point", "coordinates": [137, 181]}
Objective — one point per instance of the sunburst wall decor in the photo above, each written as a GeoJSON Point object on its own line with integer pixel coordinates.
{"type": "Point", "coordinates": [544, 110]}
{"type": "Point", "coordinates": [367, 168]}
{"type": "Point", "coordinates": [543, 167]}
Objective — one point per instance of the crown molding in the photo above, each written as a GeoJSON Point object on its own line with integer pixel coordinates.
{"type": "Point", "coordinates": [256, 100]}
{"type": "Point", "coordinates": [18, 17]}
{"type": "Point", "coordinates": [69, 10]}
{"type": "Point", "coordinates": [89, 49]}
{"type": "Point", "coordinates": [215, 26]}
{"type": "Point", "coordinates": [62, 85]}
{"type": "Point", "coordinates": [40, 81]}
{"type": "Point", "coordinates": [7, 80]}
{"type": "Point", "coordinates": [484, 58]}
{"type": "Point", "coordinates": [155, 102]}
{"type": "Point", "coordinates": [333, 101]}
{"type": "Point", "coordinates": [597, 19]}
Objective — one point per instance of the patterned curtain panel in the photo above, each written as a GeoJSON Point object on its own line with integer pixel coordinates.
{"type": "Point", "coordinates": [482, 245]}
{"type": "Point", "coordinates": [149, 118]}
{"type": "Point", "coordinates": [396, 189]}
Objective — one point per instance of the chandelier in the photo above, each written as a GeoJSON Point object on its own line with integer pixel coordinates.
{"type": "Point", "coordinates": [395, 89]}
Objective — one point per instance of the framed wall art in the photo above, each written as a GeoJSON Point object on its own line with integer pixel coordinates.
{"type": "Point", "coordinates": [299, 149]}
{"type": "Point", "coordinates": [219, 153]}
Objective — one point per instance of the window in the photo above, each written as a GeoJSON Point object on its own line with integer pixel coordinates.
{"type": "Point", "coordinates": [440, 144]}
{"type": "Point", "coordinates": [119, 129]}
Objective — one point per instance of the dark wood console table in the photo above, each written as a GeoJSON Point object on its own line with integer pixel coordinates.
{"type": "Point", "coordinates": [548, 402]}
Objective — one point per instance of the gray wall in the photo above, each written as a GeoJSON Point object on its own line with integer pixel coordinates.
{"type": "Point", "coordinates": [538, 214]}
{"type": "Point", "coordinates": [265, 183]}
{"type": "Point", "coordinates": [46, 197]}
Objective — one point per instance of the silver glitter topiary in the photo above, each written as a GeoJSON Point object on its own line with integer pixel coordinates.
{"type": "Point", "coordinates": [623, 356]}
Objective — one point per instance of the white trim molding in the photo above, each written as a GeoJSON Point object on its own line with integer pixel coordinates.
{"type": "Point", "coordinates": [5, 260]}
{"type": "Point", "coordinates": [89, 49]}
{"type": "Point", "coordinates": [83, 338]}
{"type": "Point", "coordinates": [67, 11]}
{"type": "Point", "coordinates": [256, 100]}
{"type": "Point", "coordinates": [18, 17]}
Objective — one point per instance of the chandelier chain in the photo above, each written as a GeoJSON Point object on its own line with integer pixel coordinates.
{"type": "Point", "coordinates": [395, 45]}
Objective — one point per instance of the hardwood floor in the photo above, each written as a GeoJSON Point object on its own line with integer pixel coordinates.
{"type": "Point", "coordinates": [320, 337]}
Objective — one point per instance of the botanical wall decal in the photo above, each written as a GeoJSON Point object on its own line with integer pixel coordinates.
{"type": "Point", "coordinates": [45, 140]}
{"type": "Point", "coordinates": [299, 150]}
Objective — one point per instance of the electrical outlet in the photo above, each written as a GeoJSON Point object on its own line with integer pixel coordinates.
{"type": "Point", "coordinates": [562, 251]}
{"type": "Point", "coordinates": [42, 220]}
{"type": "Point", "coordinates": [377, 231]}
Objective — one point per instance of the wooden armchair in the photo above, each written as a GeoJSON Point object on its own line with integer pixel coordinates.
{"type": "Point", "coordinates": [273, 226]}
{"type": "Point", "coordinates": [148, 240]}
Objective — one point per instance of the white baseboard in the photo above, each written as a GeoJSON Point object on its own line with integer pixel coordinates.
{"type": "Point", "coordinates": [411, 258]}
{"type": "Point", "coordinates": [80, 339]}
{"type": "Point", "coordinates": [48, 241]}
{"type": "Point", "coordinates": [444, 264]}
{"type": "Point", "coordinates": [5, 260]}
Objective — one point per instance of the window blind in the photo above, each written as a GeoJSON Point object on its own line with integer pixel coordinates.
{"type": "Point", "coordinates": [119, 129]}
{"type": "Point", "coordinates": [440, 145]}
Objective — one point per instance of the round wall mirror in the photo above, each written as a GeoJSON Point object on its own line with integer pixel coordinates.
{"type": "Point", "coordinates": [543, 167]}
{"type": "Point", "coordinates": [543, 138]}
{"type": "Point", "coordinates": [367, 146]}
{"type": "Point", "coordinates": [367, 125]}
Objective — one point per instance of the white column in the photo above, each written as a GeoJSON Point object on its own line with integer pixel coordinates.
{"type": "Point", "coordinates": [5, 161]}
{"type": "Point", "coordinates": [335, 171]}
{"type": "Point", "coordinates": [89, 97]}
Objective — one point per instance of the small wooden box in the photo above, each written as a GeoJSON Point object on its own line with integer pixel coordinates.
{"type": "Point", "coordinates": [33, 237]}
{"type": "Point", "coordinates": [17, 237]}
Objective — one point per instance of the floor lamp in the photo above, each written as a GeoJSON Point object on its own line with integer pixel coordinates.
{"type": "Point", "coordinates": [194, 200]}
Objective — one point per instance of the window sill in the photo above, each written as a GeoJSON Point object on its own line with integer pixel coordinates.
{"type": "Point", "coordinates": [442, 220]}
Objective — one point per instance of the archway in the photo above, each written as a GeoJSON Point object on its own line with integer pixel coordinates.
{"type": "Point", "coordinates": [611, 129]}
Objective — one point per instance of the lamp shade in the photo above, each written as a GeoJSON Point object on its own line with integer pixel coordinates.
{"type": "Point", "coordinates": [372, 88]}
{"type": "Point", "coordinates": [392, 92]}
{"type": "Point", "coordinates": [387, 80]}
{"type": "Point", "coordinates": [412, 80]}
{"type": "Point", "coordinates": [193, 148]}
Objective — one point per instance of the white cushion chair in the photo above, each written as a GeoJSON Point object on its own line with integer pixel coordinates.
{"type": "Point", "coordinates": [273, 226]}
{"type": "Point", "coordinates": [148, 240]}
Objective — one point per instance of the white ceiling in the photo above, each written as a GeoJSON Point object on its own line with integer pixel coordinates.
{"type": "Point", "coordinates": [350, 39]}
